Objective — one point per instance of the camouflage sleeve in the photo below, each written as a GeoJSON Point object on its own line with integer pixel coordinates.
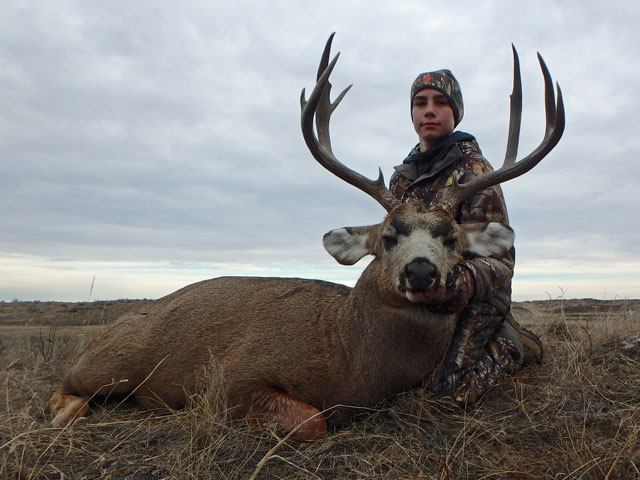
{"type": "Point", "coordinates": [492, 275]}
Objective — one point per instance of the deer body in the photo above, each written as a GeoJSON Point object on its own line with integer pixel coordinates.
{"type": "Point", "coordinates": [286, 349]}
{"type": "Point", "coordinates": [346, 349]}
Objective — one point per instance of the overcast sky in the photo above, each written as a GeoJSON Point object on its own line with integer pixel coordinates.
{"type": "Point", "coordinates": [146, 145]}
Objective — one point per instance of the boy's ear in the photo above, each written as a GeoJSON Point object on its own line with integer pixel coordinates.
{"type": "Point", "coordinates": [348, 244]}
{"type": "Point", "coordinates": [491, 239]}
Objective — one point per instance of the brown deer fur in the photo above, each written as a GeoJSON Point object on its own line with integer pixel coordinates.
{"type": "Point", "coordinates": [286, 348]}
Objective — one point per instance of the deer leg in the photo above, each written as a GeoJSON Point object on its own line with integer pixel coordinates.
{"type": "Point", "coordinates": [66, 408]}
{"type": "Point", "coordinates": [270, 406]}
{"type": "Point", "coordinates": [69, 402]}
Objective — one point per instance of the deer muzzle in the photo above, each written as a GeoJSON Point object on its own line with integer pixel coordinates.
{"type": "Point", "coordinates": [421, 275]}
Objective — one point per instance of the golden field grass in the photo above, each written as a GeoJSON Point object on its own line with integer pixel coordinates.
{"type": "Point", "coordinates": [577, 416]}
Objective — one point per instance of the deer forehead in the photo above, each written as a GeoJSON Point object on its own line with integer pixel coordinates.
{"type": "Point", "coordinates": [436, 223]}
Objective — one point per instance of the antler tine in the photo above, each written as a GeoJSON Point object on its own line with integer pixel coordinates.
{"type": "Point", "coordinates": [320, 106]}
{"type": "Point", "coordinates": [325, 107]}
{"type": "Point", "coordinates": [549, 99]}
{"type": "Point", "coordinates": [555, 122]}
{"type": "Point", "coordinates": [515, 115]}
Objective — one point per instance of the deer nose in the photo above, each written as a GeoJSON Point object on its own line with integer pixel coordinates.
{"type": "Point", "coordinates": [421, 274]}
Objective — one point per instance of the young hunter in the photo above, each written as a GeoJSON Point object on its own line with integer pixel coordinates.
{"type": "Point", "coordinates": [488, 344]}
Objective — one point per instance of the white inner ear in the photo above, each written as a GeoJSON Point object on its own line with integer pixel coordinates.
{"type": "Point", "coordinates": [494, 241]}
{"type": "Point", "coordinates": [347, 246]}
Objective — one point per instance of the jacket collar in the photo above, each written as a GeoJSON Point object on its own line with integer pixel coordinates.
{"type": "Point", "coordinates": [421, 165]}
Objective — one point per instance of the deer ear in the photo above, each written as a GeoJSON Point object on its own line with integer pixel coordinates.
{"type": "Point", "coordinates": [347, 245]}
{"type": "Point", "coordinates": [492, 239]}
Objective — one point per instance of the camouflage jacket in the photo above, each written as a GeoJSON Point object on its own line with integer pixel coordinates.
{"type": "Point", "coordinates": [417, 179]}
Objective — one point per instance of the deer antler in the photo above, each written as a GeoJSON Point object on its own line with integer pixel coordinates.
{"type": "Point", "coordinates": [510, 169]}
{"type": "Point", "coordinates": [320, 106]}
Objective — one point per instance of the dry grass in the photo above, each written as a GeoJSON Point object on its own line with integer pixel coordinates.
{"type": "Point", "coordinates": [575, 417]}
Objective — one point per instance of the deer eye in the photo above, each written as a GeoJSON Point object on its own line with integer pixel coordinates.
{"type": "Point", "coordinates": [389, 240]}
{"type": "Point", "coordinates": [451, 242]}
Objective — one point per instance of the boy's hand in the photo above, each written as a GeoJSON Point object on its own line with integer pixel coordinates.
{"type": "Point", "coordinates": [460, 289]}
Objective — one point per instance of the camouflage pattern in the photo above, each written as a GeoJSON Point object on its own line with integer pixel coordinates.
{"type": "Point", "coordinates": [444, 82]}
{"type": "Point", "coordinates": [479, 356]}
{"type": "Point", "coordinates": [482, 350]}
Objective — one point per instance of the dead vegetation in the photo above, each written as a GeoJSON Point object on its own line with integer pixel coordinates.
{"type": "Point", "coordinates": [575, 417]}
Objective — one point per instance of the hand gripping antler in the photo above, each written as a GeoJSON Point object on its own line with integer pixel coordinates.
{"type": "Point", "coordinates": [510, 169]}
{"type": "Point", "coordinates": [320, 106]}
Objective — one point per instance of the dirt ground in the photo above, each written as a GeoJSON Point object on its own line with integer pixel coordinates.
{"type": "Point", "coordinates": [576, 416]}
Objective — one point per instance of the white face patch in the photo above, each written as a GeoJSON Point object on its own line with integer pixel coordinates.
{"type": "Point", "coordinates": [419, 244]}
{"type": "Point", "coordinates": [494, 241]}
{"type": "Point", "coordinates": [347, 247]}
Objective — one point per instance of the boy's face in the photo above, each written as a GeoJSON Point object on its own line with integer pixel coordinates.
{"type": "Point", "coordinates": [432, 116]}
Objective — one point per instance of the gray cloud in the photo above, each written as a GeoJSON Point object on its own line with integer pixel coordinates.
{"type": "Point", "coordinates": [155, 133]}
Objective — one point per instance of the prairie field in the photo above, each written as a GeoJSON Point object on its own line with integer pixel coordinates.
{"type": "Point", "coordinates": [576, 416]}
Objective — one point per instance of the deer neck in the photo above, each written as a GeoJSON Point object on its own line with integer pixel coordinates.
{"type": "Point", "coordinates": [388, 345]}
{"type": "Point", "coordinates": [374, 314]}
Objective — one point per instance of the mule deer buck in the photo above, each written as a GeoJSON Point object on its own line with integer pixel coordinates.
{"type": "Point", "coordinates": [296, 353]}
